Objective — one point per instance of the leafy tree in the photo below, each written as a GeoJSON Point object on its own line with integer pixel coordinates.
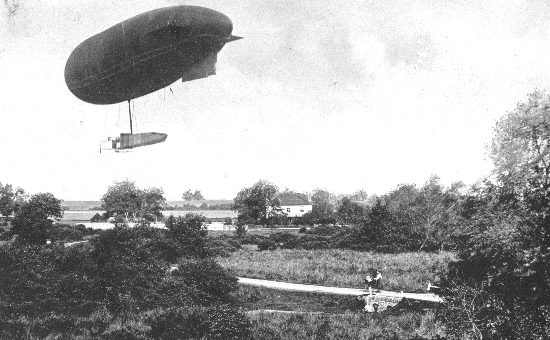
{"type": "Point", "coordinates": [257, 203]}
{"type": "Point", "coordinates": [360, 195]}
{"type": "Point", "coordinates": [436, 211]}
{"type": "Point", "coordinates": [504, 260]}
{"type": "Point", "coordinates": [430, 214]}
{"type": "Point", "coordinates": [192, 196]}
{"type": "Point", "coordinates": [152, 203]}
{"type": "Point", "coordinates": [322, 210]}
{"type": "Point", "coordinates": [124, 200]}
{"type": "Point", "coordinates": [350, 212]}
{"type": "Point", "coordinates": [190, 234]}
{"type": "Point", "coordinates": [10, 200]}
{"type": "Point", "coordinates": [32, 222]}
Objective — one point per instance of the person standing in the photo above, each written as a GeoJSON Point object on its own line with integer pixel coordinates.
{"type": "Point", "coordinates": [368, 283]}
{"type": "Point", "coordinates": [377, 280]}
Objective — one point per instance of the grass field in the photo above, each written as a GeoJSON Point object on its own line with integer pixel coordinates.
{"type": "Point", "coordinates": [260, 298]}
{"type": "Point", "coordinates": [258, 231]}
{"type": "Point", "coordinates": [340, 268]}
{"type": "Point", "coordinates": [270, 326]}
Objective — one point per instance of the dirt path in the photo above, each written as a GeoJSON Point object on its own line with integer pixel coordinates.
{"type": "Point", "coordinates": [336, 290]}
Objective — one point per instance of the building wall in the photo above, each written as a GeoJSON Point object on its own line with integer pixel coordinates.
{"type": "Point", "coordinates": [296, 210]}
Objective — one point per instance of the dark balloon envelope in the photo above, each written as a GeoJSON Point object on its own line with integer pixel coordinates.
{"type": "Point", "coordinates": [146, 53]}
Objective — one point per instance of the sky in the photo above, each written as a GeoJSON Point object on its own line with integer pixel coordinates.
{"type": "Point", "coordinates": [344, 96]}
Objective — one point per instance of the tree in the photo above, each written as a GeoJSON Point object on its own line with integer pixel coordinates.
{"type": "Point", "coordinates": [322, 210]}
{"type": "Point", "coordinates": [360, 195]}
{"type": "Point", "coordinates": [125, 199]}
{"type": "Point", "coordinates": [506, 254]}
{"type": "Point", "coordinates": [152, 203]}
{"type": "Point", "coordinates": [436, 211]}
{"type": "Point", "coordinates": [350, 212]}
{"type": "Point", "coordinates": [10, 200]}
{"type": "Point", "coordinates": [257, 203]}
{"type": "Point", "coordinates": [190, 234]}
{"type": "Point", "coordinates": [32, 222]}
{"type": "Point", "coordinates": [192, 196]}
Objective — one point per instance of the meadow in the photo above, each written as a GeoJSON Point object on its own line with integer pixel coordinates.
{"type": "Point", "coordinates": [409, 272]}
{"type": "Point", "coordinates": [411, 325]}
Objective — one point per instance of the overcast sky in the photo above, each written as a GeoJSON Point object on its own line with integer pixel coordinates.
{"type": "Point", "coordinates": [340, 95]}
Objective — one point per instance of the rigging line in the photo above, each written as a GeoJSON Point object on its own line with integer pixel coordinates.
{"type": "Point", "coordinates": [130, 114]}
{"type": "Point", "coordinates": [135, 116]}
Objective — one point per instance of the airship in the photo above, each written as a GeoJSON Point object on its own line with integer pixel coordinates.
{"type": "Point", "coordinates": [146, 53]}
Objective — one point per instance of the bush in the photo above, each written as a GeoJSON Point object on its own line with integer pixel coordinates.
{"type": "Point", "coordinates": [223, 246]}
{"type": "Point", "coordinates": [267, 244]}
{"type": "Point", "coordinates": [251, 238]}
{"type": "Point", "coordinates": [98, 218]}
{"type": "Point", "coordinates": [110, 287]}
{"type": "Point", "coordinates": [207, 276]}
{"type": "Point", "coordinates": [220, 322]}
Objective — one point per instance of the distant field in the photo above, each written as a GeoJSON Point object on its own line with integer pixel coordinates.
{"type": "Point", "coordinates": [258, 231]}
{"type": "Point", "coordinates": [85, 215]}
{"type": "Point", "coordinates": [340, 268]}
{"type": "Point", "coordinates": [88, 205]}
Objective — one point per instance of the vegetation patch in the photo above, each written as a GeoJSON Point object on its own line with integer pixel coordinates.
{"type": "Point", "coordinates": [260, 298]}
{"type": "Point", "coordinates": [411, 325]}
{"type": "Point", "coordinates": [339, 268]}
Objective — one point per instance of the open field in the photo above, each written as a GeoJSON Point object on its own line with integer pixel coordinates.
{"type": "Point", "coordinates": [260, 298]}
{"type": "Point", "coordinates": [410, 325]}
{"type": "Point", "coordinates": [339, 268]}
{"type": "Point", "coordinates": [256, 231]}
{"type": "Point", "coordinates": [86, 215]}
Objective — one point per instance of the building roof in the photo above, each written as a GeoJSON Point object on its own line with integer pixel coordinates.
{"type": "Point", "coordinates": [289, 198]}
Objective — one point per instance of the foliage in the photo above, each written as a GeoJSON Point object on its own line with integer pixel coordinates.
{"type": "Point", "coordinates": [220, 322]}
{"type": "Point", "coordinates": [350, 212]}
{"type": "Point", "coordinates": [255, 298]}
{"type": "Point", "coordinates": [190, 234]}
{"type": "Point", "coordinates": [256, 204]}
{"type": "Point", "coordinates": [207, 276]}
{"type": "Point", "coordinates": [223, 245]}
{"type": "Point", "coordinates": [192, 196]}
{"type": "Point", "coordinates": [10, 200]}
{"type": "Point", "coordinates": [322, 211]}
{"type": "Point", "coordinates": [32, 222]}
{"type": "Point", "coordinates": [340, 268]}
{"type": "Point", "coordinates": [99, 218]}
{"type": "Point", "coordinates": [117, 286]}
{"type": "Point", "coordinates": [284, 326]}
{"type": "Point", "coordinates": [125, 200]}
{"type": "Point", "coordinates": [499, 287]}
{"type": "Point", "coordinates": [240, 231]}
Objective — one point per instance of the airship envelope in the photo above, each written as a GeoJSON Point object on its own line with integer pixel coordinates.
{"type": "Point", "coordinates": [146, 53]}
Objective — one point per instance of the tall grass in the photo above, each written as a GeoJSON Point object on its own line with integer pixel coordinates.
{"type": "Point", "coordinates": [270, 326]}
{"type": "Point", "coordinates": [339, 268]}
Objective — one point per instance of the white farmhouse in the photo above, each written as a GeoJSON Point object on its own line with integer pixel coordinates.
{"type": "Point", "coordinates": [294, 205]}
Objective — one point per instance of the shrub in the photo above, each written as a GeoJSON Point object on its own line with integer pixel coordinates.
{"type": "Point", "coordinates": [207, 276]}
{"type": "Point", "coordinates": [220, 322]}
{"type": "Point", "coordinates": [267, 244]}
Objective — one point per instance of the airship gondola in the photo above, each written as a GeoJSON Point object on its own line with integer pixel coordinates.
{"type": "Point", "coordinates": [144, 54]}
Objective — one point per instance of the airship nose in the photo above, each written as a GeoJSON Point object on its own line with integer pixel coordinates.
{"type": "Point", "coordinates": [232, 38]}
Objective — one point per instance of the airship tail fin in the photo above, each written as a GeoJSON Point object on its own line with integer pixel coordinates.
{"type": "Point", "coordinates": [205, 68]}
